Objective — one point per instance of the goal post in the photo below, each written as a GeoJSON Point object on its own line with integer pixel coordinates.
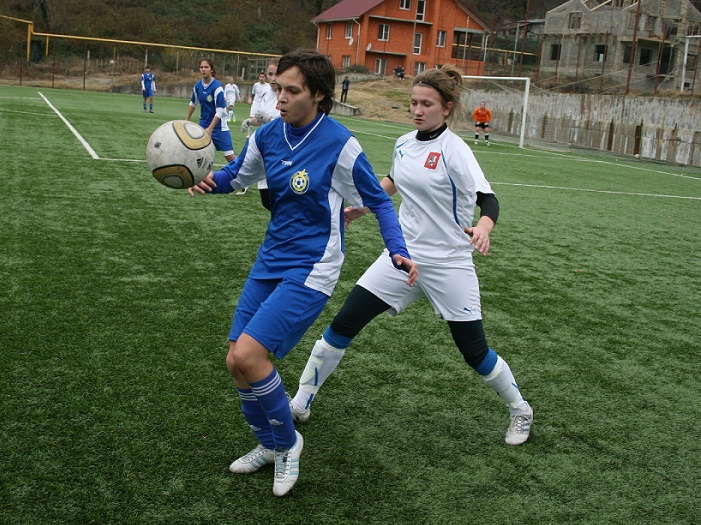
{"type": "Point", "coordinates": [525, 82]}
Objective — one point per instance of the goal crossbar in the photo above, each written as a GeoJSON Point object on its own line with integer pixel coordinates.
{"type": "Point", "coordinates": [526, 90]}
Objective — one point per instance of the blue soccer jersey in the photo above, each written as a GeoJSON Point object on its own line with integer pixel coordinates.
{"type": "Point", "coordinates": [148, 84]}
{"type": "Point", "coordinates": [310, 172]}
{"type": "Point", "coordinates": [212, 103]}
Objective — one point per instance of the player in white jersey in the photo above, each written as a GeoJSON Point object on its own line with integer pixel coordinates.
{"type": "Point", "coordinates": [312, 164]}
{"type": "Point", "coordinates": [232, 94]}
{"type": "Point", "coordinates": [440, 183]}
{"type": "Point", "coordinates": [263, 100]}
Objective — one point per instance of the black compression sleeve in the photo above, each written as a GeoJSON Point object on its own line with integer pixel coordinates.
{"type": "Point", "coordinates": [360, 307]}
{"type": "Point", "coordinates": [489, 205]}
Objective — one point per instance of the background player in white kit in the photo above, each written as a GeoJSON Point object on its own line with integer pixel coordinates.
{"type": "Point", "coordinates": [232, 94]}
{"type": "Point", "coordinates": [440, 183]}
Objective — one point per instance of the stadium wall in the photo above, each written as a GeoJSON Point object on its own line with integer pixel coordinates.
{"type": "Point", "coordinates": [656, 128]}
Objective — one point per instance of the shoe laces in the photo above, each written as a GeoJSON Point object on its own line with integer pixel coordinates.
{"type": "Point", "coordinates": [253, 454]}
{"type": "Point", "coordinates": [282, 465]}
{"type": "Point", "coordinates": [520, 422]}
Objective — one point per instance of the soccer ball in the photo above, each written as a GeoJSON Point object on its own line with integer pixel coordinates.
{"type": "Point", "coordinates": [180, 154]}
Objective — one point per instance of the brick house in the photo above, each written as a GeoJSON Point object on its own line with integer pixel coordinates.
{"type": "Point", "coordinates": [414, 34]}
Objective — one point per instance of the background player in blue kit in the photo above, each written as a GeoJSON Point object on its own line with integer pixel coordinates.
{"type": "Point", "coordinates": [208, 93]}
{"type": "Point", "coordinates": [312, 164]}
{"type": "Point", "coordinates": [148, 87]}
{"type": "Point", "coordinates": [440, 183]}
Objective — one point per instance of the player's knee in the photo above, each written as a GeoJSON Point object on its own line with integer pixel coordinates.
{"type": "Point", "coordinates": [231, 359]}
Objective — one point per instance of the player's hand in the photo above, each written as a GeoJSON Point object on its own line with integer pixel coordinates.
{"type": "Point", "coordinates": [351, 213]}
{"type": "Point", "coordinates": [409, 267]}
{"type": "Point", "coordinates": [479, 238]}
{"type": "Point", "coordinates": [206, 186]}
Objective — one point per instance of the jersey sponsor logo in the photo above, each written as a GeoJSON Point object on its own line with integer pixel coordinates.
{"type": "Point", "coordinates": [432, 160]}
{"type": "Point", "coordinates": [300, 182]}
{"type": "Point", "coordinates": [286, 162]}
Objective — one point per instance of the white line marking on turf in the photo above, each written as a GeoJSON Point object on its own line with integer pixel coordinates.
{"type": "Point", "coordinates": [22, 112]}
{"type": "Point", "coordinates": [596, 191]}
{"type": "Point", "coordinates": [73, 130]}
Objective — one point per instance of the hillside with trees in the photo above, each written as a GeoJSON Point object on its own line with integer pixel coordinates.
{"type": "Point", "coordinates": [263, 26]}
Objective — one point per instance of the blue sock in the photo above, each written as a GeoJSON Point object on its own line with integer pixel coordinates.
{"type": "Point", "coordinates": [488, 363]}
{"type": "Point", "coordinates": [271, 396]}
{"type": "Point", "coordinates": [255, 417]}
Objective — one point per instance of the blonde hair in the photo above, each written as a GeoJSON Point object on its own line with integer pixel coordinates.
{"type": "Point", "coordinates": [447, 81]}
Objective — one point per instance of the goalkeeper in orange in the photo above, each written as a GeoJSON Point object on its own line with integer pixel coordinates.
{"type": "Point", "coordinates": [482, 117]}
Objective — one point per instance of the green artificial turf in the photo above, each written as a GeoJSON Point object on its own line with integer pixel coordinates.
{"type": "Point", "coordinates": [117, 296]}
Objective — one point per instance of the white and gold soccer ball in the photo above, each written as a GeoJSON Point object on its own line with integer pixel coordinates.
{"type": "Point", "coordinates": [180, 154]}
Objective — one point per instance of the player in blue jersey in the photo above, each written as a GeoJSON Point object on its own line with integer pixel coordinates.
{"type": "Point", "coordinates": [441, 184]}
{"type": "Point", "coordinates": [148, 87]}
{"type": "Point", "coordinates": [208, 93]}
{"type": "Point", "coordinates": [312, 164]}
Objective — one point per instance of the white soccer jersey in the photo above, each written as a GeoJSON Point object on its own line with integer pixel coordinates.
{"type": "Point", "coordinates": [438, 181]}
{"type": "Point", "coordinates": [260, 93]}
{"type": "Point", "coordinates": [231, 94]}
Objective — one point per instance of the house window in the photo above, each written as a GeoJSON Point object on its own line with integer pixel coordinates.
{"type": "Point", "coordinates": [462, 45]}
{"type": "Point", "coordinates": [626, 54]}
{"type": "Point", "coordinates": [419, 67]}
{"type": "Point", "coordinates": [650, 23]}
{"type": "Point", "coordinates": [380, 66]}
{"type": "Point", "coordinates": [383, 33]}
{"type": "Point", "coordinates": [405, 4]}
{"type": "Point", "coordinates": [349, 30]}
{"type": "Point", "coordinates": [599, 53]}
{"type": "Point", "coordinates": [420, 9]}
{"type": "Point", "coordinates": [418, 39]}
{"type": "Point", "coordinates": [645, 56]}
{"type": "Point", "coordinates": [345, 61]}
{"type": "Point", "coordinates": [575, 21]}
{"type": "Point", "coordinates": [440, 38]}
{"type": "Point", "coordinates": [555, 50]}
{"type": "Point", "coordinates": [328, 31]}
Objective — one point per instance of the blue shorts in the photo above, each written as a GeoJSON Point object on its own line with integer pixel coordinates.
{"type": "Point", "coordinates": [147, 93]}
{"type": "Point", "coordinates": [222, 141]}
{"type": "Point", "coordinates": [276, 313]}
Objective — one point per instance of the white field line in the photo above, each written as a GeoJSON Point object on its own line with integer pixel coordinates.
{"type": "Point", "coordinates": [73, 130]}
{"type": "Point", "coordinates": [610, 192]}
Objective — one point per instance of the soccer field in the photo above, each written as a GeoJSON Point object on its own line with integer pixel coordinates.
{"type": "Point", "coordinates": [117, 296]}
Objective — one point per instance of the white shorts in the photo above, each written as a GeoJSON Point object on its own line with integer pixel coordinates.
{"type": "Point", "coordinates": [453, 292]}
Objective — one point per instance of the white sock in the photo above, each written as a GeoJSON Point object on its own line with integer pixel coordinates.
{"type": "Point", "coordinates": [321, 363]}
{"type": "Point", "coordinates": [502, 381]}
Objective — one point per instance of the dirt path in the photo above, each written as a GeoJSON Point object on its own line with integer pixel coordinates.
{"type": "Point", "coordinates": [386, 99]}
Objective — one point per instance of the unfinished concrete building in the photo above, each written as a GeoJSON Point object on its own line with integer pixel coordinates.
{"type": "Point", "coordinates": [619, 45]}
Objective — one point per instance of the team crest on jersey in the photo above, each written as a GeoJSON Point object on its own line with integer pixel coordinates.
{"type": "Point", "coordinates": [210, 98]}
{"type": "Point", "coordinates": [300, 182]}
{"type": "Point", "coordinates": [432, 160]}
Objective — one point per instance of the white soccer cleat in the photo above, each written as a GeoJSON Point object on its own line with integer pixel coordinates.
{"type": "Point", "coordinates": [254, 460]}
{"type": "Point", "coordinates": [241, 191]}
{"type": "Point", "coordinates": [298, 416]}
{"type": "Point", "coordinates": [475, 143]}
{"type": "Point", "coordinates": [520, 427]}
{"type": "Point", "coordinates": [287, 467]}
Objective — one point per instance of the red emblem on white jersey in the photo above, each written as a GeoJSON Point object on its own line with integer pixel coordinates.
{"type": "Point", "coordinates": [432, 160]}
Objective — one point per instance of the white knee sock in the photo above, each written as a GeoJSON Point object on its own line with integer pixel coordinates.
{"type": "Point", "coordinates": [321, 363]}
{"type": "Point", "coordinates": [502, 381]}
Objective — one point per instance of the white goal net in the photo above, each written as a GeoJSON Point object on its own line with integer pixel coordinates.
{"type": "Point", "coordinates": [506, 97]}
